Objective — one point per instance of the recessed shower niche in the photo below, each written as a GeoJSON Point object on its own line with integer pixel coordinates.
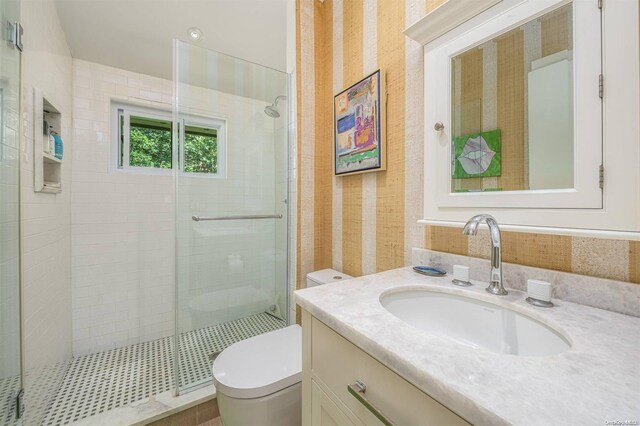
{"type": "Point", "coordinates": [47, 165]}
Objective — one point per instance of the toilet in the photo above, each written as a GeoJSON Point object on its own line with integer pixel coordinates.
{"type": "Point", "coordinates": [258, 380]}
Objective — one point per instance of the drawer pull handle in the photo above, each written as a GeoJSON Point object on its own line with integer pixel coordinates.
{"type": "Point", "coordinates": [358, 390]}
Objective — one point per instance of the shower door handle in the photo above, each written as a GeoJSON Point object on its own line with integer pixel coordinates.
{"type": "Point", "coordinates": [240, 217]}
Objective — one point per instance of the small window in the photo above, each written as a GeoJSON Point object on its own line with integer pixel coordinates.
{"type": "Point", "coordinates": [149, 142]}
{"type": "Point", "coordinates": [200, 150]}
{"type": "Point", "coordinates": [144, 142]}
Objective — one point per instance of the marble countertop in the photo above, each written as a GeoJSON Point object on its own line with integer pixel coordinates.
{"type": "Point", "coordinates": [596, 381]}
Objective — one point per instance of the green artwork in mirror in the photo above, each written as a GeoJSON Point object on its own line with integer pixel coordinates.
{"type": "Point", "coordinates": [477, 155]}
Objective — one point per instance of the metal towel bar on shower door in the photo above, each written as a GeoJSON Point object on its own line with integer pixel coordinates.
{"type": "Point", "coordinates": [250, 216]}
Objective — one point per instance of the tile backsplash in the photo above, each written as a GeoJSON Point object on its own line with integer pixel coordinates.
{"type": "Point", "coordinates": [596, 257]}
{"type": "Point", "coordinates": [612, 295]}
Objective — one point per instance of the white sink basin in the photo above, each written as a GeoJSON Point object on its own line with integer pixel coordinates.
{"type": "Point", "coordinates": [474, 322]}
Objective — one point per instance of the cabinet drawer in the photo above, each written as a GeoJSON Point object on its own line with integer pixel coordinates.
{"type": "Point", "coordinates": [324, 411]}
{"type": "Point", "coordinates": [337, 363]}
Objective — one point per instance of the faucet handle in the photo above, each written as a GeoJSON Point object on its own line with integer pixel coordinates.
{"type": "Point", "coordinates": [461, 276]}
{"type": "Point", "coordinates": [539, 293]}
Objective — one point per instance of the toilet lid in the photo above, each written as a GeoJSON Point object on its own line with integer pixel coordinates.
{"type": "Point", "coordinates": [260, 365]}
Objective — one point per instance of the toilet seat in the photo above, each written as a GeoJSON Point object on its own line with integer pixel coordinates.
{"type": "Point", "coordinates": [260, 365]}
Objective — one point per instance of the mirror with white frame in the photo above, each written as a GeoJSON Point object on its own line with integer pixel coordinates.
{"type": "Point", "coordinates": [522, 120]}
{"type": "Point", "coordinates": [512, 109]}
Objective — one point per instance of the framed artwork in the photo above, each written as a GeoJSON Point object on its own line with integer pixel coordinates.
{"type": "Point", "coordinates": [359, 127]}
{"type": "Point", "coordinates": [477, 155]}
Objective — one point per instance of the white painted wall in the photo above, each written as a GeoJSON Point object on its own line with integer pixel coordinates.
{"type": "Point", "coordinates": [250, 29]}
{"type": "Point", "coordinates": [46, 243]}
{"type": "Point", "coordinates": [550, 119]}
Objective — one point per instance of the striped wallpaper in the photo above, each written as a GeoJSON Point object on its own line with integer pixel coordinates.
{"type": "Point", "coordinates": [365, 223]}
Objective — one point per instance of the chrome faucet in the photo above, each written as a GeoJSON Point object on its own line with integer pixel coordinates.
{"type": "Point", "coordinates": [471, 228]}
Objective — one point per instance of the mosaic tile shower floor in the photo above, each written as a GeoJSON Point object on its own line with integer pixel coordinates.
{"type": "Point", "coordinates": [8, 388]}
{"type": "Point", "coordinates": [99, 382]}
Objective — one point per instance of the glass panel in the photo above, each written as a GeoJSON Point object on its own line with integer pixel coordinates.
{"type": "Point", "coordinates": [149, 142]}
{"type": "Point", "coordinates": [200, 150]}
{"type": "Point", "coordinates": [512, 109]}
{"type": "Point", "coordinates": [231, 275]}
{"type": "Point", "coordinates": [10, 379]}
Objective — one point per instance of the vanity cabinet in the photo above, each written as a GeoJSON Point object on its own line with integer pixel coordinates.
{"type": "Point", "coordinates": [334, 372]}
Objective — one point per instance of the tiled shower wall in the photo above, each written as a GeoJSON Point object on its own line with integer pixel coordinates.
{"type": "Point", "coordinates": [233, 268]}
{"type": "Point", "coordinates": [366, 223]}
{"type": "Point", "coordinates": [46, 240]}
{"type": "Point", "coordinates": [123, 223]}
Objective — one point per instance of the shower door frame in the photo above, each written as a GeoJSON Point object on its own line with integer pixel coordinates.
{"type": "Point", "coordinates": [291, 254]}
{"type": "Point", "coordinates": [12, 39]}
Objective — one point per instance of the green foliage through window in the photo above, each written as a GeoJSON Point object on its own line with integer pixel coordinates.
{"type": "Point", "coordinates": [150, 145]}
{"type": "Point", "coordinates": [200, 150]}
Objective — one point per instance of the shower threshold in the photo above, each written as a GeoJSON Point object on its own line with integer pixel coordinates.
{"type": "Point", "coordinates": [120, 377]}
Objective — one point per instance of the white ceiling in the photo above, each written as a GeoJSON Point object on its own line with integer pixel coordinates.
{"type": "Point", "coordinates": [137, 35]}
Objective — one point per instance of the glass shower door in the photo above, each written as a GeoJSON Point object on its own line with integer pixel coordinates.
{"type": "Point", "coordinates": [10, 374]}
{"type": "Point", "coordinates": [231, 214]}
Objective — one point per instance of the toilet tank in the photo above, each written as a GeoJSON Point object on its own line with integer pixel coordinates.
{"type": "Point", "coordinates": [325, 276]}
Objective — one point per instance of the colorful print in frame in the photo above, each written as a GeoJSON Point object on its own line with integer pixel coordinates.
{"type": "Point", "coordinates": [477, 155]}
{"type": "Point", "coordinates": [359, 127]}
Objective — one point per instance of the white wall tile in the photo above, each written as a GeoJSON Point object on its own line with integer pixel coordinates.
{"type": "Point", "coordinates": [123, 223]}
{"type": "Point", "coordinates": [46, 248]}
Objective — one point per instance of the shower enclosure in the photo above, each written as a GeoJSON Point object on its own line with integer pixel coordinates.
{"type": "Point", "coordinates": [230, 167]}
{"type": "Point", "coordinates": [10, 365]}
{"type": "Point", "coordinates": [231, 128]}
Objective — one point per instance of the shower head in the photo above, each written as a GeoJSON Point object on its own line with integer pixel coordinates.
{"type": "Point", "coordinates": [272, 110]}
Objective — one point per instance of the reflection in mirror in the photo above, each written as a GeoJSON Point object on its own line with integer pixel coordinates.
{"type": "Point", "coordinates": [512, 109]}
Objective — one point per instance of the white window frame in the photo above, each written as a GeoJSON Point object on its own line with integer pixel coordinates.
{"type": "Point", "coordinates": [219, 124]}
{"type": "Point", "coordinates": [587, 141]}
